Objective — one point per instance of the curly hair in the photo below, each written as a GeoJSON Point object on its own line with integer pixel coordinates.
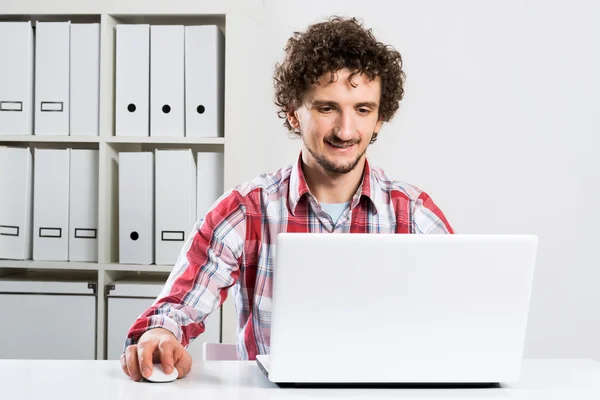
{"type": "Point", "coordinates": [328, 47]}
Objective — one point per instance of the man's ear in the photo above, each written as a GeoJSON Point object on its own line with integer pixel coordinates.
{"type": "Point", "coordinates": [378, 126]}
{"type": "Point", "coordinates": [292, 117]}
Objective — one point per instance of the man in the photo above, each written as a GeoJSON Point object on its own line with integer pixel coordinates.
{"type": "Point", "coordinates": [335, 89]}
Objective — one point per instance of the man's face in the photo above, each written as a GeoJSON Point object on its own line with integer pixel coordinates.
{"type": "Point", "coordinates": [337, 121]}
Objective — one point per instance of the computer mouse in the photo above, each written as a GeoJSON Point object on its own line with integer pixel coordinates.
{"type": "Point", "coordinates": [158, 375]}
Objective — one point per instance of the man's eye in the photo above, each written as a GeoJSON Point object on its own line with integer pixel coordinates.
{"type": "Point", "coordinates": [364, 110]}
{"type": "Point", "coordinates": [325, 109]}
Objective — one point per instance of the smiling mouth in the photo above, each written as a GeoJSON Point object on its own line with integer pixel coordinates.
{"type": "Point", "coordinates": [340, 146]}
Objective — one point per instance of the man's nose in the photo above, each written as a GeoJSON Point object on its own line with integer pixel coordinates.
{"type": "Point", "coordinates": [346, 127]}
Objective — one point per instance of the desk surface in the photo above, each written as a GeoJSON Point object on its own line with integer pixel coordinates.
{"type": "Point", "coordinates": [104, 380]}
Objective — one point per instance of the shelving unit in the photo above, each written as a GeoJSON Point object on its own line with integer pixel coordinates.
{"type": "Point", "coordinates": [244, 28]}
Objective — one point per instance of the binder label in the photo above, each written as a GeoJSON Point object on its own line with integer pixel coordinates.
{"type": "Point", "coordinates": [50, 232]}
{"type": "Point", "coordinates": [52, 106]}
{"type": "Point", "coordinates": [9, 230]}
{"type": "Point", "coordinates": [172, 236]}
{"type": "Point", "coordinates": [11, 106]}
{"type": "Point", "coordinates": [81, 233]}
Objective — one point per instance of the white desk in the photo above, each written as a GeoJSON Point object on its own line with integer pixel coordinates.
{"type": "Point", "coordinates": [104, 380]}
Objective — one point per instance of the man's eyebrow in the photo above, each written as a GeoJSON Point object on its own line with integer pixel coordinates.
{"type": "Point", "coordinates": [371, 104]}
{"type": "Point", "coordinates": [321, 103]}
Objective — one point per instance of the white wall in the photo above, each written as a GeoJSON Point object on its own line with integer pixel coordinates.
{"type": "Point", "coordinates": [499, 125]}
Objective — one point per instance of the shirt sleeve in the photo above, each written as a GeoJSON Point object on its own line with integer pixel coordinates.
{"type": "Point", "coordinates": [207, 266]}
{"type": "Point", "coordinates": [427, 218]}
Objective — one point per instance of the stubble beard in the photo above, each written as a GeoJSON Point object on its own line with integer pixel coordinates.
{"type": "Point", "coordinates": [330, 166]}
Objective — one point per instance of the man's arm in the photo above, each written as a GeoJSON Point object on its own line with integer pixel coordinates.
{"type": "Point", "coordinates": [207, 267]}
{"type": "Point", "coordinates": [427, 218]}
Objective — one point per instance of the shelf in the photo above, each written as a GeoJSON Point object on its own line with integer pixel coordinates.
{"type": "Point", "coordinates": [67, 265]}
{"type": "Point", "coordinates": [49, 139]}
{"type": "Point", "coordinates": [164, 140]}
{"type": "Point", "coordinates": [48, 265]}
{"type": "Point", "coordinates": [111, 139]}
{"type": "Point", "coordinates": [136, 268]}
{"type": "Point", "coordinates": [126, 7]}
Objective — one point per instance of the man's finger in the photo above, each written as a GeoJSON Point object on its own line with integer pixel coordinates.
{"type": "Point", "coordinates": [132, 363]}
{"type": "Point", "coordinates": [145, 353]}
{"type": "Point", "coordinates": [167, 360]}
{"type": "Point", "coordinates": [124, 364]}
{"type": "Point", "coordinates": [183, 362]}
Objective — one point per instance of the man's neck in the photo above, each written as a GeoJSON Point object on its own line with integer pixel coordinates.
{"type": "Point", "coordinates": [330, 187]}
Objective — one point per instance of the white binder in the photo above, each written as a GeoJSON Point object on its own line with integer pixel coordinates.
{"type": "Point", "coordinates": [16, 78]}
{"type": "Point", "coordinates": [83, 206]}
{"type": "Point", "coordinates": [51, 204]}
{"type": "Point", "coordinates": [15, 203]}
{"type": "Point", "coordinates": [204, 81]}
{"type": "Point", "coordinates": [136, 208]}
{"type": "Point", "coordinates": [85, 79]}
{"type": "Point", "coordinates": [132, 80]}
{"type": "Point", "coordinates": [210, 180]}
{"type": "Point", "coordinates": [52, 64]}
{"type": "Point", "coordinates": [167, 116]}
{"type": "Point", "coordinates": [175, 202]}
{"type": "Point", "coordinates": [64, 311]}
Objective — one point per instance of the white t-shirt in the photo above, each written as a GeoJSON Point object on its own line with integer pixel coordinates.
{"type": "Point", "coordinates": [335, 210]}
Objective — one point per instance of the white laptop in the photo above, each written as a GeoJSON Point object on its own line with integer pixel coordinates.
{"type": "Point", "coordinates": [413, 309]}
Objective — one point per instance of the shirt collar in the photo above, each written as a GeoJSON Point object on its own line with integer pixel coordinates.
{"type": "Point", "coordinates": [298, 187]}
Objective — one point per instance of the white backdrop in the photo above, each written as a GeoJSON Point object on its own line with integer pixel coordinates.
{"type": "Point", "coordinates": [499, 125]}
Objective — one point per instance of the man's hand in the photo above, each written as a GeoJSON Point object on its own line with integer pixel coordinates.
{"type": "Point", "coordinates": [156, 346]}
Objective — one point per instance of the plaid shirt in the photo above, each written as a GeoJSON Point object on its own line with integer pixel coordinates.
{"type": "Point", "coordinates": [234, 247]}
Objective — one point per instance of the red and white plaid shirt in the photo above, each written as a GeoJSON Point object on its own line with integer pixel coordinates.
{"type": "Point", "coordinates": [234, 247]}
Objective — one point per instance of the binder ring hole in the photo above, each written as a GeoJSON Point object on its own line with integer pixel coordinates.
{"type": "Point", "coordinates": [131, 107]}
{"type": "Point", "coordinates": [134, 235]}
{"type": "Point", "coordinates": [166, 108]}
{"type": "Point", "coordinates": [200, 109]}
